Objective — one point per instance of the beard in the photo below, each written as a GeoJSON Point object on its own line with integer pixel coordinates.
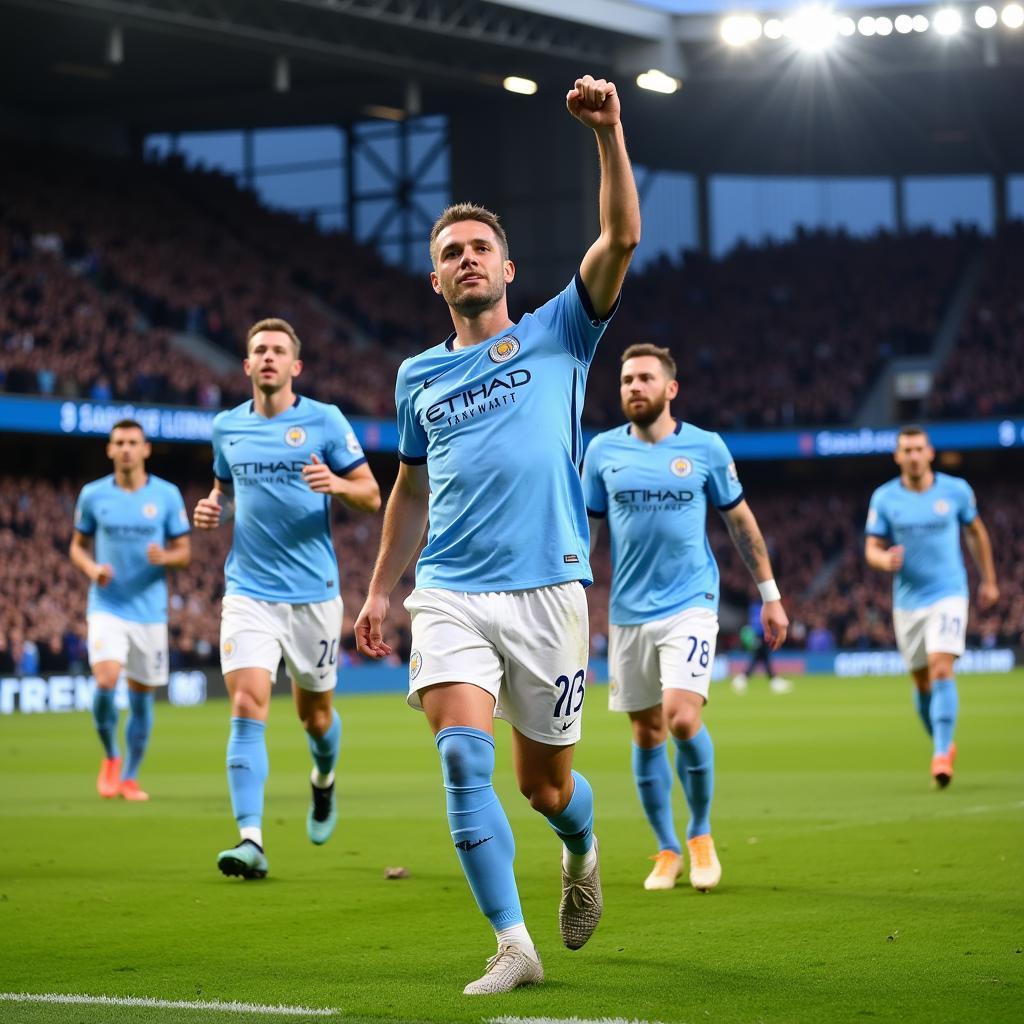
{"type": "Point", "coordinates": [645, 415]}
{"type": "Point", "coordinates": [476, 302]}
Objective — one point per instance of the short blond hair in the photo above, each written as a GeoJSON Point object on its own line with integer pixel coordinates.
{"type": "Point", "coordinates": [661, 354]}
{"type": "Point", "coordinates": [468, 211]}
{"type": "Point", "coordinates": [273, 323]}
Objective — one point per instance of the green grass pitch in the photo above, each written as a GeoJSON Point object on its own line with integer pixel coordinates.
{"type": "Point", "coordinates": [852, 891]}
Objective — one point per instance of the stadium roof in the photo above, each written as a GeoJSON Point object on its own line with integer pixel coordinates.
{"type": "Point", "coordinates": [902, 104]}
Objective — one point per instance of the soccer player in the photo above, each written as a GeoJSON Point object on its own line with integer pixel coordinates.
{"type": "Point", "coordinates": [913, 531]}
{"type": "Point", "coordinates": [141, 530]}
{"type": "Point", "coordinates": [490, 447]}
{"type": "Point", "coordinates": [652, 479]}
{"type": "Point", "coordinates": [754, 640]}
{"type": "Point", "coordinates": [278, 460]}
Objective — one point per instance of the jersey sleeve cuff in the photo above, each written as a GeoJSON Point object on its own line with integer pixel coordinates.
{"type": "Point", "coordinates": [731, 504]}
{"type": "Point", "coordinates": [412, 460]}
{"type": "Point", "coordinates": [594, 514]}
{"type": "Point", "coordinates": [349, 467]}
{"type": "Point", "coordinates": [588, 305]}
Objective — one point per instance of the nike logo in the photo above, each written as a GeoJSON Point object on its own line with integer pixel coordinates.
{"type": "Point", "coordinates": [324, 675]}
{"type": "Point", "coordinates": [431, 380]}
{"type": "Point", "coordinates": [568, 725]}
{"type": "Point", "coordinates": [616, 469]}
{"type": "Point", "coordinates": [466, 845]}
{"type": "Point", "coordinates": [234, 440]}
{"type": "Point", "coordinates": [693, 675]}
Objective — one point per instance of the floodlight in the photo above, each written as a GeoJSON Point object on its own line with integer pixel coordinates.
{"type": "Point", "coordinates": [740, 29]}
{"type": "Point", "coordinates": [773, 28]}
{"type": "Point", "coordinates": [866, 26]}
{"type": "Point", "coordinates": [522, 86]}
{"type": "Point", "coordinates": [813, 28]}
{"type": "Point", "coordinates": [903, 24]}
{"type": "Point", "coordinates": [883, 26]}
{"type": "Point", "coordinates": [657, 81]}
{"type": "Point", "coordinates": [985, 17]}
{"type": "Point", "coordinates": [846, 26]}
{"type": "Point", "coordinates": [920, 23]}
{"type": "Point", "coordinates": [947, 21]}
{"type": "Point", "coordinates": [1013, 15]}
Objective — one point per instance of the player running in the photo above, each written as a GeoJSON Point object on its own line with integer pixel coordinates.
{"type": "Point", "coordinates": [652, 479]}
{"type": "Point", "coordinates": [913, 531]}
{"type": "Point", "coordinates": [278, 460]}
{"type": "Point", "coordinates": [141, 530]}
{"type": "Point", "coordinates": [490, 447]}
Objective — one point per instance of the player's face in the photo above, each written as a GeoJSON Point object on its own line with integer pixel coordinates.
{"type": "Point", "coordinates": [645, 390]}
{"type": "Point", "coordinates": [128, 449]}
{"type": "Point", "coordinates": [914, 455]}
{"type": "Point", "coordinates": [272, 363]}
{"type": "Point", "coordinates": [470, 269]}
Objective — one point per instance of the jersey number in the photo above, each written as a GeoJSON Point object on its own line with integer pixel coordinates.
{"type": "Point", "coordinates": [705, 651]}
{"type": "Point", "coordinates": [949, 625]}
{"type": "Point", "coordinates": [325, 649]}
{"type": "Point", "coordinates": [569, 689]}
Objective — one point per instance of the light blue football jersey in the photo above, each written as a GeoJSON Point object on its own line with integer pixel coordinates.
{"type": "Point", "coordinates": [498, 426]}
{"type": "Point", "coordinates": [124, 523]}
{"type": "Point", "coordinates": [282, 548]}
{"type": "Point", "coordinates": [655, 497]}
{"type": "Point", "coordinates": [927, 524]}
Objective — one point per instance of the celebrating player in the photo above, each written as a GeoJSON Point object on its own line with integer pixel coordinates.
{"type": "Point", "coordinates": [913, 531]}
{"type": "Point", "coordinates": [652, 479]}
{"type": "Point", "coordinates": [278, 460]}
{"type": "Point", "coordinates": [489, 430]}
{"type": "Point", "coordinates": [141, 530]}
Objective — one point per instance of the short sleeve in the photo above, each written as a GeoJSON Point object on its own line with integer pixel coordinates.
{"type": "Point", "coordinates": [342, 450]}
{"type": "Point", "coordinates": [221, 466]}
{"type": "Point", "coordinates": [594, 494]}
{"type": "Point", "coordinates": [723, 483]}
{"type": "Point", "coordinates": [571, 317]}
{"type": "Point", "coordinates": [968, 505]}
{"type": "Point", "coordinates": [176, 522]}
{"type": "Point", "coordinates": [878, 524]}
{"type": "Point", "coordinates": [85, 521]}
{"type": "Point", "coordinates": [412, 438]}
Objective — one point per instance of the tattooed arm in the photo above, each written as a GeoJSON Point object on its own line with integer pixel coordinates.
{"type": "Point", "coordinates": [747, 539]}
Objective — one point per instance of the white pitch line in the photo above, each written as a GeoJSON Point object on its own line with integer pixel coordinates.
{"type": "Point", "coordinates": [165, 1004]}
{"type": "Point", "coordinates": [567, 1020]}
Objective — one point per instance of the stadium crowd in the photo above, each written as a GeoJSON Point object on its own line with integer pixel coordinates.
{"type": "Point", "coordinates": [815, 540]}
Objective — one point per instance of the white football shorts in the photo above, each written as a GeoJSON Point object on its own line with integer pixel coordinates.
{"type": "Point", "coordinates": [674, 653]}
{"type": "Point", "coordinates": [258, 634]}
{"type": "Point", "coordinates": [527, 648]}
{"type": "Point", "coordinates": [141, 647]}
{"type": "Point", "coordinates": [941, 628]}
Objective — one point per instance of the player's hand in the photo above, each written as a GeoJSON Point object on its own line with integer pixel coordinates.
{"type": "Point", "coordinates": [320, 478]}
{"type": "Point", "coordinates": [102, 574]}
{"type": "Point", "coordinates": [155, 554]}
{"type": "Point", "coordinates": [207, 512]}
{"type": "Point", "coordinates": [369, 640]}
{"type": "Point", "coordinates": [988, 595]}
{"type": "Point", "coordinates": [594, 102]}
{"type": "Point", "coordinates": [894, 558]}
{"type": "Point", "coordinates": [775, 622]}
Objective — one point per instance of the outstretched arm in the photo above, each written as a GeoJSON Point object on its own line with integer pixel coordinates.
{"type": "Point", "coordinates": [980, 546]}
{"type": "Point", "coordinates": [748, 541]}
{"type": "Point", "coordinates": [595, 103]}
{"type": "Point", "coordinates": [405, 519]}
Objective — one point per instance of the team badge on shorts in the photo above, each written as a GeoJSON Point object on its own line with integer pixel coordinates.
{"type": "Point", "coordinates": [613, 687]}
{"type": "Point", "coordinates": [294, 436]}
{"type": "Point", "coordinates": [229, 647]}
{"type": "Point", "coordinates": [941, 507]}
{"type": "Point", "coordinates": [150, 511]}
{"type": "Point", "coordinates": [502, 351]}
{"type": "Point", "coordinates": [415, 664]}
{"type": "Point", "coordinates": [681, 466]}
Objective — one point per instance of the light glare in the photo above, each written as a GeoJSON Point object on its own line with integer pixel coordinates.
{"type": "Point", "coordinates": [904, 23]}
{"type": "Point", "coordinates": [883, 26]}
{"type": "Point", "coordinates": [740, 29]}
{"type": "Point", "coordinates": [1013, 15]}
{"type": "Point", "coordinates": [813, 29]}
{"type": "Point", "coordinates": [773, 28]}
{"type": "Point", "coordinates": [947, 22]}
{"type": "Point", "coordinates": [657, 81]}
{"type": "Point", "coordinates": [920, 23]}
{"type": "Point", "coordinates": [985, 17]}
{"type": "Point", "coordinates": [866, 26]}
{"type": "Point", "coordinates": [847, 26]}
{"type": "Point", "coordinates": [522, 86]}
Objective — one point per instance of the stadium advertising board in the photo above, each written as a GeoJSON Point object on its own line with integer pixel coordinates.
{"type": "Point", "coordinates": [188, 425]}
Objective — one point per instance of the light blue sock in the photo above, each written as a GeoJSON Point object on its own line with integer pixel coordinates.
{"type": "Point", "coordinates": [479, 827]}
{"type": "Point", "coordinates": [136, 733]}
{"type": "Point", "coordinates": [695, 763]}
{"type": "Point", "coordinates": [575, 824]}
{"type": "Point", "coordinates": [325, 748]}
{"type": "Point", "coordinates": [923, 702]}
{"type": "Point", "coordinates": [104, 713]}
{"type": "Point", "coordinates": [945, 705]}
{"type": "Point", "coordinates": [653, 778]}
{"type": "Point", "coordinates": [247, 770]}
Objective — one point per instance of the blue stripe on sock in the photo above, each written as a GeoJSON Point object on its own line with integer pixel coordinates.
{"type": "Point", "coordinates": [575, 824]}
{"type": "Point", "coordinates": [653, 776]}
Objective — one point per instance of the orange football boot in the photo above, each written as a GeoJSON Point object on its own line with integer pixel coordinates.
{"type": "Point", "coordinates": [705, 870]}
{"type": "Point", "coordinates": [130, 791]}
{"type": "Point", "coordinates": [667, 866]}
{"type": "Point", "coordinates": [108, 782]}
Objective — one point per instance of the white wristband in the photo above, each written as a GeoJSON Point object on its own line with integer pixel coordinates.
{"type": "Point", "coordinates": [769, 591]}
